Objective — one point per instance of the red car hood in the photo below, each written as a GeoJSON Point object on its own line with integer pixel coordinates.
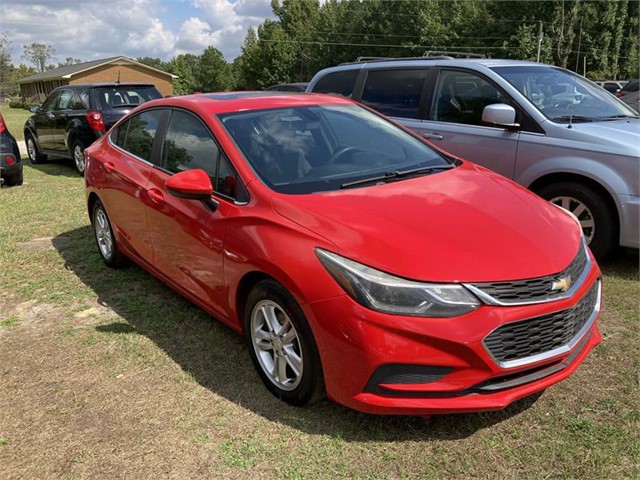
{"type": "Point", "coordinates": [466, 224]}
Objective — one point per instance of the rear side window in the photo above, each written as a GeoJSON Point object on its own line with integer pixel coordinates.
{"type": "Point", "coordinates": [395, 93]}
{"type": "Point", "coordinates": [340, 83]}
{"type": "Point", "coordinates": [140, 133]}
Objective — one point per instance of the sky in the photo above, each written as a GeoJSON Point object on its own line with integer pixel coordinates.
{"type": "Point", "coordinates": [92, 29]}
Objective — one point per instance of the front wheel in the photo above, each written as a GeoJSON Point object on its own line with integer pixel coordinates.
{"type": "Point", "coordinates": [77, 152]}
{"type": "Point", "coordinates": [34, 152]}
{"type": "Point", "coordinates": [591, 209]}
{"type": "Point", "coordinates": [282, 345]}
{"type": "Point", "coordinates": [106, 241]}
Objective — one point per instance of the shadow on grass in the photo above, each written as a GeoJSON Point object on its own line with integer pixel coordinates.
{"type": "Point", "coordinates": [621, 263]}
{"type": "Point", "coordinates": [60, 167]}
{"type": "Point", "coordinates": [216, 357]}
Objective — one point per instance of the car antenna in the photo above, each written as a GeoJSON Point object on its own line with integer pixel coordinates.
{"type": "Point", "coordinates": [118, 80]}
{"type": "Point", "coordinates": [571, 116]}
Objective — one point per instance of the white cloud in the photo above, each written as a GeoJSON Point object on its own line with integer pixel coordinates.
{"type": "Point", "coordinates": [91, 29]}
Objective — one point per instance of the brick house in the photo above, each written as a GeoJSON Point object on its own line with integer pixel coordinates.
{"type": "Point", "coordinates": [36, 88]}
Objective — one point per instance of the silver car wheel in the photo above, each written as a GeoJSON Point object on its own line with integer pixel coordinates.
{"type": "Point", "coordinates": [103, 234]}
{"type": "Point", "coordinates": [78, 156]}
{"type": "Point", "coordinates": [276, 344]}
{"type": "Point", "coordinates": [582, 213]}
{"type": "Point", "coordinates": [31, 149]}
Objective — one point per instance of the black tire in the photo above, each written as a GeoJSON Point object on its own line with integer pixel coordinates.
{"type": "Point", "coordinates": [101, 226]}
{"type": "Point", "coordinates": [77, 148]}
{"type": "Point", "coordinates": [34, 153]}
{"type": "Point", "coordinates": [605, 230]}
{"type": "Point", "coordinates": [14, 180]}
{"type": "Point", "coordinates": [310, 386]}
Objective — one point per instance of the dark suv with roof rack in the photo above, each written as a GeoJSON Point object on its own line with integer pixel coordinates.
{"type": "Point", "coordinates": [74, 116]}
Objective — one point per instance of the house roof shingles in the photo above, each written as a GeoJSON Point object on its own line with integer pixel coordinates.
{"type": "Point", "coordinates": [70, 70]}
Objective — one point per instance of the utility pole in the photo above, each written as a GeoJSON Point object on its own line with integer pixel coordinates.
{"type": "Point", "coordinates": [579, 43]}
{"type": "Point", "coordinates": [539, 41]}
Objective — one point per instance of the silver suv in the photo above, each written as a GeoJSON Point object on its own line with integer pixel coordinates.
{"type": "Point", "coordinates": [551, 130]}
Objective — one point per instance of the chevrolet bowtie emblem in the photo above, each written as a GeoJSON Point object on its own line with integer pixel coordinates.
{"type": "Point", "coordinates": [563, 284]}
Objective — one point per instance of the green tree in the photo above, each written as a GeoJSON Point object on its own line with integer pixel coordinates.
{"type": "Point", "coordinates": [39, 54]}
{"type": "Point", "coordinates": [70, 61]}
{"type": "Point", "coordinates": [184, 66]}
{"type": "Point", "coordinates": [6, 68]}
{"type": "Point", "coordinates": [153, 62]}
{"type": "Point", "coordinates": [213, 73]}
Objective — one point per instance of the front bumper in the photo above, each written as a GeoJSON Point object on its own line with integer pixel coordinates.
{"type": "Point", "coordinates": [440, 365]}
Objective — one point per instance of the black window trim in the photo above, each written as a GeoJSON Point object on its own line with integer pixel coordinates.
{"type": "Point", "coordinates": [521, 113]}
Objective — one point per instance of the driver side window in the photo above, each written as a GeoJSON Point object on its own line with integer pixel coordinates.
{"type": "Point", "coordinates": [460, 97]}
{"type": "Point", "coordinates": [50, 103]}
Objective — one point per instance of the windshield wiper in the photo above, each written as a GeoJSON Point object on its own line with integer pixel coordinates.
{"type": "Point", "coordinates": [573, 118]}
{"type": "Point", "coordinates": [617, 117]}
{"type": "Point", "coordinates": [391, 176]}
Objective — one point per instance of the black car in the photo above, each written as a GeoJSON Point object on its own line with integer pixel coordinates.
{"type": "Point", "coordinates": [10, 163]}
{"type": "Point", "coordinates": [74, 116]}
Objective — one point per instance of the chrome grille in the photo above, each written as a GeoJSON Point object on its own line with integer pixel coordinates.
{"type": "Point", "coordinates": [534, 289]}
{"type": "Point", "coordinates": [527, 338]}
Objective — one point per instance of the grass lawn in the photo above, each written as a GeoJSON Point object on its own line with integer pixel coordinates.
{"type": "Point", "coordinates": [110, 374]}
{"type": "Point", "coordinates": [15, 119]}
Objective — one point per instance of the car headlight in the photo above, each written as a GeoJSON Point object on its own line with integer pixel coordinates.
{"type": "Point", "coordinates": [389, 294]}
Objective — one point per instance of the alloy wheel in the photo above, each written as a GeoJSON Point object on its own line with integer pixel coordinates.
{"type": "Point", "coordinates": [276, 344]}
{"type": "Point", "coordinates": [78, 157]}
{"type": "Point", "coordinates": [582, 213]}
{"type": "Point", "coordinates": [31, 149]}
{"type": "Point", "coordinates": [103, 234]}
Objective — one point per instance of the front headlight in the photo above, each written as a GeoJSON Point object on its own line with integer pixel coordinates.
{"type": "Point", "coordinates": [389, 294]}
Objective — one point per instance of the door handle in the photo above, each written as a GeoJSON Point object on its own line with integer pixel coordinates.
{"type": "Point", "coordinates": [109, 167]}
{"type": "Point", "coordinates": [155, 195]}
{"type": "Point", "coordinates": [433, 136]}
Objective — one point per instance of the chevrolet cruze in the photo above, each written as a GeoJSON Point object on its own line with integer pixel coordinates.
{"type": "Point", "coordinates": [358, 261]}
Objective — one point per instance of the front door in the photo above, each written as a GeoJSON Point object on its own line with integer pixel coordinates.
{"type": "Point", "coordinates": [454, 122]}
{"type": "Point", "coordinates": [59, 121]}
{"type": "Point", "coordinates": [188, 235]}
{"type": "Point", "coordinates": [43, 121]}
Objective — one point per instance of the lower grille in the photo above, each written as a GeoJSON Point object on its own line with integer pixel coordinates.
{"type": "Point", "coordinates": [518, 343]}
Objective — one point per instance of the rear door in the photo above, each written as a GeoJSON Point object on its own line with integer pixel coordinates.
{"type": "Point", "coordinates": [124, 175]}
{"type": "Point", "coordinates": [188, 235]}
{"type": "Point", "coordinates": [454, 121]}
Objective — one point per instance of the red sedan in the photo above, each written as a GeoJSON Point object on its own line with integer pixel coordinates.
{"type": "Point", "coordinates": [358, 261]}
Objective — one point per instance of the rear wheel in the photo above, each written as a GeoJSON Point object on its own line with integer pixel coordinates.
{"type": "Point", "coordinates": [105, 239]}
{"type": "Point", "coordinates": [77, 152]}
{"type": "Point", "coordinates": [34, 152]}
{"type": "Point", "coordinates": [281, 345]}
{"type": "Point", "coordinates": [591, 209]}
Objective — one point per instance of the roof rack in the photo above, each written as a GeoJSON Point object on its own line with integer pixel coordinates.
{"type": "Point", "coordinates": [430, 55]}
{"type": "Point", "coordinates": [443, 54]}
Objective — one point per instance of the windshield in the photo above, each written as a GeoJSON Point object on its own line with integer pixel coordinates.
{"type": "Point", "coordinates": [325, 147]}
{"type": "Point", "coordinates": [125, 96]}
{"type": "Point", "coordinates": [563, 96]}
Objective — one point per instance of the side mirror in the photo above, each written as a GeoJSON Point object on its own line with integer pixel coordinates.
{"type": "Point", "coordinates": [191, 184]}
{"type": "Point", "coordinates": [500, 115]}
{"type": "Point", "coordinates": [34, 109]}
